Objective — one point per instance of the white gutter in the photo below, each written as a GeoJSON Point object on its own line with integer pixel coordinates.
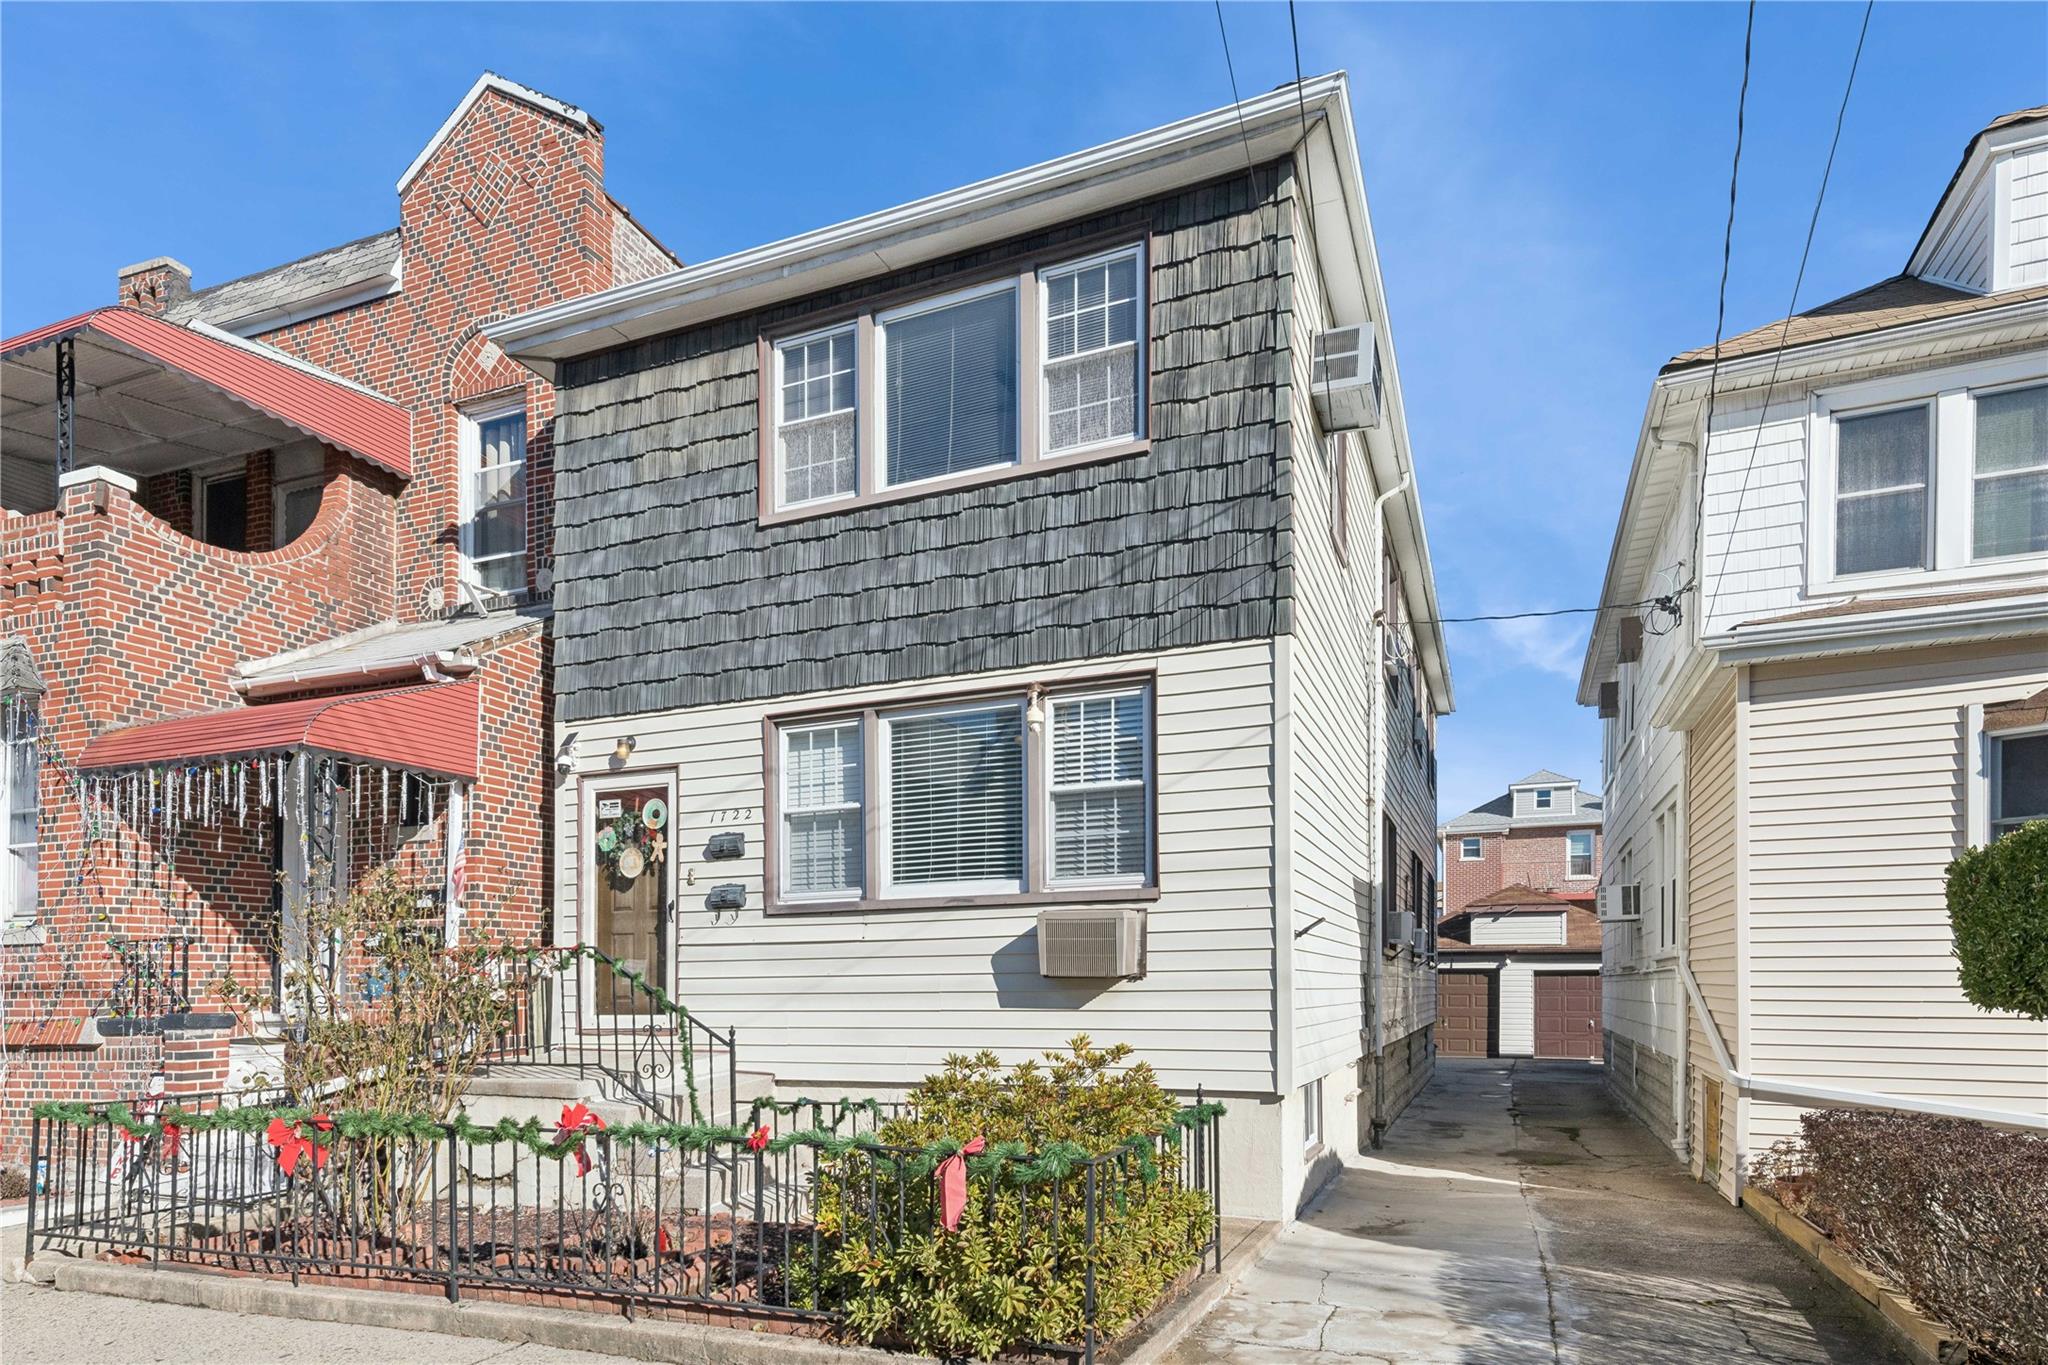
{"type": "Point", "coordinates": [443, 665]}
{"type": "Point", "coordinates": [1777, 1091]}
{"type": "Point", "coordinates": [1379, 770]}
{"type": "Point", "coordinates": [1860, 632]}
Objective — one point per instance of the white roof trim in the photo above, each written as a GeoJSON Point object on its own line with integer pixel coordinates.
{"type": "Point", "coordinates": [490, 80]}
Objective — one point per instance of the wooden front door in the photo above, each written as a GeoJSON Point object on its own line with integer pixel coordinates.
{"type": "Point", "coordinates": [1464, 1014]}
{"type": "Point", "coordinates": [627, 857]}
{"type": "Point", "coordinates": [1568, 1014]}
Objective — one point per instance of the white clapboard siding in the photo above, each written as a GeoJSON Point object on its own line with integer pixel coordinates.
{"type": "Point", "coordinates": [1963, 255]}
{"type": "Point", "coordinates": [1334, 885]}
{"type": "Point", "coordinates": [1519, 928]}
{"type": "Point", "coordinates": [2027, 253]}
{"type": "Point", "coordinates": [1515, 1022]}
{"type": "Point", "coordinates": [1754, 559]}
{"type": "Point", "coordinates": [1852, 979]}
{"type": "Point", "coordinates": [880, 999]}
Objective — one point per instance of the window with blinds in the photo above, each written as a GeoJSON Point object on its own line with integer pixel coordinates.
{"type": "Point", "coordinates": [815, 428]}
{"type": "Point", "coordinates": [955, 799]}
{"type": "Point", "coordinates": [949, 385]}
{"type": "Point", "coordinates": [1097, 780]}
{"type": "Point", "coordinates": [1092, 352]}
{"type": "Point", "coordinates": [494, 499]}
{"type": "Point", "coordinates": [823, 841]}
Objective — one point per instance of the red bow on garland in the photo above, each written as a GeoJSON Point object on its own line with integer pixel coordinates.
{"type": "Point", "coordinates": [291, 1144]}
{"type": "Point", "coordinates": [953, 1184]}
{"type": "Point", "coordinates": [575, 1118]}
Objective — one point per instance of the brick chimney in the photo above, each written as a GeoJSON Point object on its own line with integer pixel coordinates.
{"type": "Point", "coordinates": [153, 285]}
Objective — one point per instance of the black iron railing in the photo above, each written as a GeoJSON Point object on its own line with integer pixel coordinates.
{"type": "Point", "coordinates": [754, 1228]}
{"type": "Point", "coordinates": [152, 979]}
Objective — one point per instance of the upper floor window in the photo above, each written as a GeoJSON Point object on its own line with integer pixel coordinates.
{"type": "Point", "coordinates": [1092, 352]}
{"type": "Point", "coordinates": [1468, 848]}
{"type": "Point", "coordinates": [946, 389]}
{"type": "Point", "coordinates": [958, 805]}
{"type": "Point", "coordinates": [1881, 504]}
{"type": "Point", "coordinates": [1934, 472]}
{"type": "Point", "coordinates": [493, 539]}
{"type": "Point", "coordinates": [814, 422]}
{"type": "Point", "coordinates": [2019, 781]}
{"type": "Point", "coordinates": [20, 801]}
{"type": "Point", "coordinates": [1542, 798]}
{"type": "Point", "coordinates": [1578, 853]}
{"type": "Point", "coordinates": [2009, 500]}
{"type": "Point", "coordinates": [221, 509]}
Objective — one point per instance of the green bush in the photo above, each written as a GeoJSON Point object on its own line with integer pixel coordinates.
{"type": "Point", "coordinates": [1013, 1273]}
{"type": "Point", "coordinates": [1998, 905]}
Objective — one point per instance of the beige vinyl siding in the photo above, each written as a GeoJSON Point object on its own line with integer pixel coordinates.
{"type": "Point", "coordinates": [879, 999]}
{"type": "Point", "coordinates": [1711, 947]}
{"type": "Point", "coordinates": [1858, 799]}
{"type": "Point", "coordinates": [1334, 882]}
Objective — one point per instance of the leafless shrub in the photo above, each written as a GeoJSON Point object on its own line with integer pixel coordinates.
{"type": "Point", "coordinates": [1956, 1213]}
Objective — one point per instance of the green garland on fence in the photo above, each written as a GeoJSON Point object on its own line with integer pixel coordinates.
{"type": "Point", "coordinates": [1009, 1162]}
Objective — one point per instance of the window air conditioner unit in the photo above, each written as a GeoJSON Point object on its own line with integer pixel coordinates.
{"type": "Point", "coordinates": [1400, 927]}
{"type": "Point", "coordinates": [1621, 901]}
{"type": "Point", "coordinates": [1097, 945]}
{"type": "Point", "coordinates": [1346, 379]}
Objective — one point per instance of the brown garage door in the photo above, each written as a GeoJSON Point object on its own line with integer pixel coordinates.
{"type": "Point", "coordinates": [1464, 1014]}
{"type": "Point", "coordinates": [1567, 1014]}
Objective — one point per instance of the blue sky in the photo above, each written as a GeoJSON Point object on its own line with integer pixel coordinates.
{"type": "Point", "coordinates": [1547, 184]}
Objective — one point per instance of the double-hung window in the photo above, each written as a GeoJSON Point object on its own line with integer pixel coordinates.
{"type": "Point", "coordinates": [1881, 467]}
{"type": "Point", "coordinates": [1001, 795]}
{"type": "Point", "coordinates": [1043, 364]}
{"type": "Point", "coordinates": [1468, 848]}
{"type": "Point", "coordinates": [19, 773]}
{"type": "Point", "coordinates": [816, 428]}
{"type": "Point", "coordinates": [2009, 496]}
{"type": "Point", "coordinates": [1093, 352]}
{"type": "Point", "coordinates": [493, 538]}
{"type": "Point", "coordinates": [1578, 852]}
{"type": "Point", "coordinates": [1542, 798]}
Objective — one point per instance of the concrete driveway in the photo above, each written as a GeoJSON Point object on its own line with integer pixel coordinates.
{"type": "Point", "coordinates": [1515, 1215]}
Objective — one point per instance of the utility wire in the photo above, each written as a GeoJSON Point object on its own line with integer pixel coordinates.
{"type": "Point", "coordinates": [1791, 308]}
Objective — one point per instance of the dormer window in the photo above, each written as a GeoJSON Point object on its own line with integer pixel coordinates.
{"type": "Point", "coordinates": [1542, 798]}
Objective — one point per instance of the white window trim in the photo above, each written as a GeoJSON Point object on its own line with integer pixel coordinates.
{"type": "Point", "coordinates": [1135, 252]}
{"type": "Point", "coordinates": [850, 326]}
{"type": "Point", "coordinates": [1540, 798]}
{"type": "Point", "coordinates": [1951, 397]}
{"type": "Point", "coordinates": [1592, 860]}
{"type": "Point", "coordinates": [1144, 877]}
{"type": "Point", "coordinates": [889, 887]}
{"type": "Point", "coordinates": [469, 464]}
{"type": "Point", "coordinates": [783, 809]}
{"type": "Point", "coordinates": [1478, 846]}
{"type": "Point", "coordinates": [1982, 775]}
{"type": "Point", "coordinates": [12, 916]}
{"type": "Point", "coordinates": [1312, 1115]}
{"type": "Point", "coordinates": [1970, 499]}
{"type": "Point", "coordinates": [1007, 285]}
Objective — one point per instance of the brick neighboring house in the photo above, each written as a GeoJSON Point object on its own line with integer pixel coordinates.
{"type": "Point", "coordinates": [275, 572]}
{"type": "Point", "coordinates": [1543, 832]}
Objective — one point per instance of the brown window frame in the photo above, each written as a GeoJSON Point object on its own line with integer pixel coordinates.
{"type": "Point", "coordinates": [1038, 889]}
{"type": "Point", "coordinates": [1026, 275]}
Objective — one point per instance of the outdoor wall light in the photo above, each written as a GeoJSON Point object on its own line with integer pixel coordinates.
{"type": "Point", "coordinates": [623, 750]}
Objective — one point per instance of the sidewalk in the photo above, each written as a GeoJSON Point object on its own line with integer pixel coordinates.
{"type": "Point", "coordinates": [1515, 1215]}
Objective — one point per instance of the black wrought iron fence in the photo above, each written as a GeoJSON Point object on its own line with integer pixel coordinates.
{"type": "Point", "coordinates": [791, 1225]}
{"type": "Point", "coordinates": [152, 979]}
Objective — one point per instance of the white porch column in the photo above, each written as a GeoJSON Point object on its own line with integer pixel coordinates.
{"type": "Point", "coordinates": [458, 863]}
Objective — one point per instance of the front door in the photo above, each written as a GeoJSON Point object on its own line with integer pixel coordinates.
{"type": "Point", "coordinates": [628, 861]}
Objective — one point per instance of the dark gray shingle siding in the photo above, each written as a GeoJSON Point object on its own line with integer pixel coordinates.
{"type": "Point", "coordinates": [669, 593]}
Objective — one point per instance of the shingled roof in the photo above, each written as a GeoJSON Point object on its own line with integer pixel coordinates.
{"type": "Point", "coordinates": [1899, 301]}
{"type": "Point", "coordinates": [283, 285]}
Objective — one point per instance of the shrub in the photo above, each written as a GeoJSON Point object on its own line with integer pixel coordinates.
{"type": "Point", "coordinates": [1998, 906]}
{"type": "Point", "coordinates": [1955, 1212]}
{"type": "Point", "coordinates": [1013, 1273]}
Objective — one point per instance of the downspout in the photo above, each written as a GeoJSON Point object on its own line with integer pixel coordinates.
{"type": "Point", "coordinates": [1377, 833]}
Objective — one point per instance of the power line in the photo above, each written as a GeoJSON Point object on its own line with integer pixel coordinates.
{"type": "Point", "coordinates": [1244, 135]}
{"type": "Point", "coordinates": [1791, 308]}
{"type": "Point", "coordinates": [1699, 502]}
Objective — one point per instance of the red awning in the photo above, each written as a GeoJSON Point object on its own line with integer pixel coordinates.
{"type": "Point", "coordinates": [356, 420]}
{"type": "Point", "coordinates": [431, 729]}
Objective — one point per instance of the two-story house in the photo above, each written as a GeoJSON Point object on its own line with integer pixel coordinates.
{"type": "Point", "coordinates": [1846, 520]}
{"type": "Point", "coordinates": [988, 600]}
{"type": "Point", "coordinates": [274, 564]}
{"type": "Point", "coordinates": [1518, 946]}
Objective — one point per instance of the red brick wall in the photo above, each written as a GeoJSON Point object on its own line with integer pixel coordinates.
{"type": "Point", "coordinates": [1523, 857]}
